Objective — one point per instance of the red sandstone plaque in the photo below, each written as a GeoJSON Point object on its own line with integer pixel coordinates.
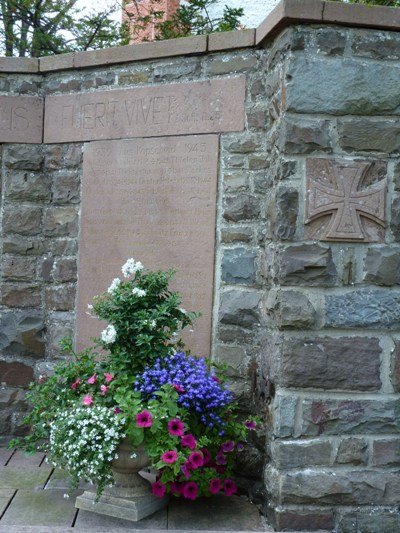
{"type": "Point", "coordinates": [175, 109]}
{"type": "Point", "coordinates": [153, 200]}
{"type": "Point", "coordinates": [21, 119]}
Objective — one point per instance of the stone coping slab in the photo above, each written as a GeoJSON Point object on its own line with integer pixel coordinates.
{"type": "Point", "coordinates": [286, 13]}
{"type": "Point", "coordinates": [290, 12]}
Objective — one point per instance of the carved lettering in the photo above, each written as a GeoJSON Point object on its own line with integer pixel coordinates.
{"type": "Point", "coordinates": [197, 107]}
{"type": "Point", "coordinates": [21, 119]}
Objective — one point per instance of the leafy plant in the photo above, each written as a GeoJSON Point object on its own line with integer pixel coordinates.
{"type": "Point", "coordinates": [144, 389]}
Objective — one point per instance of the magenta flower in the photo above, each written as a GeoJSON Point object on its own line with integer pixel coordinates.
{"type": "Point", "coordinates": [215, 485]}
{"type": "Point", "coordinates": [190, 490]}
{"type": "Point", "coordinates": [195, 460]}
{"type": "Point", "coordinates": [229, 487]}
{"type": "Point", "coordinates": [169, 457]}
{"type": "Point", "coordinates": [189, 441]}
{"type": "Point", "coordinates": [220, 459]}
{"type": "Point", "coordinates": [216, 379]}
{"type": "Point", "coordinates": [117, 410]}
{"type": "Point", "coordinates": [108, 377]}
{"type": "Point", "coordinates": [178, 388]}
{"type": "Point", "coordinates": [92, 379]}
{"type": "Point", "coordinates": [250, 424]}
{"type": "Point", "coordinates": [144, 419]}
{"type": "Point", "coordinates": [75, 384]}
{"type": "Point", "coordinates": [185, 469]}
{"type": "Point", "coordinates": [206, 456]}
{"type": "Point", "coordinates": [158, 489]}
{"type": "Point", "coordinates": [176, 427]}
{"type": "Point", "coordinates": [87, 400]}
{"type": "Point", "coordinates": [175, 487]}
{"type": "Point", "coordinates": [103, 389]}
{"type": "Point", "coordinates": [228, 446]}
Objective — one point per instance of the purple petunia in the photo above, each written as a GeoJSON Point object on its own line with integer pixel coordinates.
{"type": "Point", "coordinates": [195, 460]}
{"type": "Point", "coordinates": [169, 457]}
{"type": "Point", "coordinates": [215, 485]}
{"type": "Point", "coordinates": [158, 489]}
{"type": "Point", "coordinates": [190, 490]}
{"type": "Point", "coordinates": [229, 487]}
{"type": "Point", "coordinates": [189, 441]}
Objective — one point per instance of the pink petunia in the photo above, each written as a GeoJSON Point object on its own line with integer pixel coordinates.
{"type": "Point", "coordinates": [228, 446]}
{"type": "Point", "coordinates": [176, 427]}
{"type": "Point", "coordinates": [158, 489]}
{"type": "Point", "coordinates": [144, 419]}
{"type": "Point", "coordinates": [108, 377]}
{"type": "Point", "coordinates": [229, 487]}
{"type": "Point", "coordinates": [75, 384]}
{"type": "Point", "coordinates": [92, 379]}
{"type": "Point", "coordinates": [189, 441]}
{"type": "Point", "coordinates": [215, 485]}
{"type": "Point", "coordinates": [169, 457]}
{"type": "Point", "coordinates": [206, 456]}
{"type": "Point", "coordinates": [103, 389]}
{"type": "Point", "coordinates": [195, 460]}
{"type": "Point", "coordinates": [87, 400]}
{"type": "Point", "coordinates": [250, 424]}
{"type": "Point", "coordinates": [217, 380]}
{"type": "Point", "coordinates": [190, 490]}
{"type": "Point", "coordinates": [117, 410]}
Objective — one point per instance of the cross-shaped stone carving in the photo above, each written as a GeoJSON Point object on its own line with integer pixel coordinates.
{"type": "Point", "coordinates": [336, 192]}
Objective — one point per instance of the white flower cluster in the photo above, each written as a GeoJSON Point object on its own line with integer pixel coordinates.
{"type": "Point", "coordinates": [84, 441]}
{"type": "Point", "coordinates": [114, 285]}
{"type": "Point", "coordinates": [138, 292]}
{"type": "Point", "coordinates": [109, 334]}
{"type": "Point", "coordinates": [131, 267]}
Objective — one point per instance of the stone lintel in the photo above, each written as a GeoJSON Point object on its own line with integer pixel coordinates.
{"type": "Point", "coordinates": [21, 119]}
{"type": "Point", "coordinates": [176, 109]}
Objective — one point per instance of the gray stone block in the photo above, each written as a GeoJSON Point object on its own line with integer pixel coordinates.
{"type": "Point", "coordinates": [291, 309]}
{"type": "Point", "coordinates": [370, 520]}
{"type": "Point", "coordinates": [369, 135]}
{"type": "Point", "coordinates": [363, 308]}
{"type": "Point", "coordinates": [306, 264]}
{"type": "Point", "coordinates": [240, 308]}
{"type": "Point", "coordinates": [301, 454]}
{"type": "Point", "coordinates": [345, 363]}
{"type": "Point", "coordinates": [352, 451]}
{"type": "Point", "coordinates": [22, 333]}
{"type": "Point", "coordinates": [341, 417]}
{"type": "Point", "coordinates": [342, 87]}
{"type": "Point", "coordinates": [242, 207]}
{"type": "Point", "coordinates": [239, 266]}
{"type": "Point", "coordinates": [381, 266]}
{"type": "Point", "coordinates": [285, 213]}
{"type": "Point", "coordinates": [304, 136]}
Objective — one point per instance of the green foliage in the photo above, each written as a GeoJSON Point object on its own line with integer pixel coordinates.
{"type": "Point", "coordinates": [190, 19]}
{"type": "Point", "coordinates": [95, 400]}
{"type": "Point", "coordinates": [46, 27]}
{"type": "Point", "coordinates": [146, 316]}
{"type": "Point", "coordinates": [388, 3]}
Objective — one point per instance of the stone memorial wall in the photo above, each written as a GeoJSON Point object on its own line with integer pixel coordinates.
{"type": "Point", "coordinates": [280, 153]}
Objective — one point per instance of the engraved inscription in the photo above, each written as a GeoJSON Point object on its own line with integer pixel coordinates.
{"type": "Point", "coordinates": [21, 119]}
{"type": "Point", "coordinates": [197, 107]}
{"type": "Point", "coordinates": [154, 200]}
{"type": "Point", "coordinates": [345, 200]}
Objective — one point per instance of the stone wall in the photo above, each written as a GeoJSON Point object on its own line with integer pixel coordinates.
{"type": "Point", "coordinates": [305, 317]}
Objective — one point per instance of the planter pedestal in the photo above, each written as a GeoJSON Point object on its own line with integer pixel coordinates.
{"type": "Point", "coordinates": [130, 497]}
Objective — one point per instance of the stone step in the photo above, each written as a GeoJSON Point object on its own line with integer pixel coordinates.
{"type": "Point", "coordinates": [46, 529]}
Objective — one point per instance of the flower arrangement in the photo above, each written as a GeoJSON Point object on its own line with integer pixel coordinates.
{"type": "Point", "coordinates": [145, 389]}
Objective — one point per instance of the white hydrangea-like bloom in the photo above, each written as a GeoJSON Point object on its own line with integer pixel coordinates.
{"type": "Point", "coordinates": [114, 285]}
{"type": "Point", "coordinates": [131, 267]}
{"type": "Point", "coordinates": [138, 292]}
{"type": "Point", "coordinates": [109, 334]}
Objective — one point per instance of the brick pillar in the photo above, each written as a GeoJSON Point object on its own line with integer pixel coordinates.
{"type": "Point", "coordinates": [142, 8]}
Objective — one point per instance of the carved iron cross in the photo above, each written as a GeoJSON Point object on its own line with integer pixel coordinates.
{"type": "Point", "coordinates": [336, 191]}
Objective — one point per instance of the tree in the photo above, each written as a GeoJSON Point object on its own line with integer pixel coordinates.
{"type": "Point", "coordinates": [191, 18]}
{"type": "Point", "coordinates": [44, 27]}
